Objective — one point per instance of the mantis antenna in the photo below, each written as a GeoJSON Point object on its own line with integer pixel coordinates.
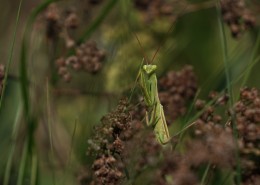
{"type": "Point", "coordinates": [142, 49]}
{"type": "Point", "coordinates": [159, 47]}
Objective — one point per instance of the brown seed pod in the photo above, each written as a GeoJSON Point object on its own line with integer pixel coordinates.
{"type": "Point", "coordinates": [176, 89]}
{"type": "Point", "coordinates": [88, 58]}
{"type": "Point", "coordinates": [238, 17]}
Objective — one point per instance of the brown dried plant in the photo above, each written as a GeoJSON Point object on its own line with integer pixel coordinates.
{"type": "Point", "coordinates": [88, 58]}
{"type": "Point", "coordinates": [108, 145]}
{"type": "Point", "coordinates": [237, 16]}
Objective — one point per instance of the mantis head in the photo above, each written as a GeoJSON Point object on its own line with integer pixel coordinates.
{"type": "Point", "coordinates": [149, 69]}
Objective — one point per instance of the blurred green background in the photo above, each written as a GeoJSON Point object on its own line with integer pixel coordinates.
{"type": "Point", "coordinates": [65, 113]}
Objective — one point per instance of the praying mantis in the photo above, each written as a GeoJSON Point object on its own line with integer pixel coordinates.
{"type": "Point", "coordinates": [148, 83]}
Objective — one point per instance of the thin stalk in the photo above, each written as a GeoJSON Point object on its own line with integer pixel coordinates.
{"type": "Point", "coordinates": [34, 168]}
{"type": "Point", "coordinates": [229, 89]}
{"type": "Point", "coordinates": [10, 58]}
{"type": "Point", "coordinates": [50, 130]}
{"type": "Point", "coordinates": [94, 25]}
{"type": "Point", "coordinates": [225, 179]}
{"type": "Point", "coordinates": [205, 174]}
{"type": "Point", "coordinates": [225, 57]}
{"type": "Point", "coordinates": [13, 146]}
{"type": "Point", "coordinates": [184, 127]}
{"type": "Point", "coordinates": [255, 50]}
{"type": "Point", "coordinates": [23, 163]}
{"type": "Point", "coordinates": [71, 147]}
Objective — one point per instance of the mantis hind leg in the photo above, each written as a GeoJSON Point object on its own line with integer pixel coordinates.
{"type": "Point", "coordinates": [162, 129]}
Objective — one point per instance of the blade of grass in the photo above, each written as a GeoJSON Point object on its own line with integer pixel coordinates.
{"type": "Point", "coordinates": [23, 163]}
{"type": "Point", "coordinates": [225, 55]}
{"type": "Point", "coordinates": [24, 79]}
{"type": "Point", "coordinates": [192, 120]}
{"type": "Point", "coordinates": [34, 168]}
{"type": "Point", "coordinates": [225, 180]}
{"type": "Point", "coordinates": [50, 130]}
{"type": "Point", "coordinates": [229, 89]}
{"type": "Point", "coordinates": [255, 50]}
{"type": "Point", "coordinates": [205, 174]}
{"type": "Point", "coordinates": [10, 53]}
{"type": "Point", "coordinates": [70, 152]}
{"type": "Point", "coordinates": [23, 56]}
{"type": "Point", "coordinates": [25, 93]}
{"type": "Point", "coordinates": [96, 23]}
{"type": "Point", "coordinates": [13, 146]}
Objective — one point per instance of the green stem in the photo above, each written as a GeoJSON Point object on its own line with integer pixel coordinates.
{"type": "Point", "coordinates": [94, 25]}
{"type": "Point", "coordinates": [229, 88]}
{"type": "Point", "coordinates": [13, 146]}
{"type": "Point", "coordinates": [50, 130]}
{"type": "Point", "coordinates": [205, 175]}
{"type": "Point", "coordinates": [255, 50]}
{"type": "Point", "coordinates": [11, 53]}
{"type": "Point", "coordinates": [34, 168]}
{"type": "Point", "coordinates": [22, 164]}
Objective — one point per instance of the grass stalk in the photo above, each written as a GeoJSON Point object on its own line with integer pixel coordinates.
{"type": "Point", "coordinates": [255, 50]}
{"type": "Point", "coordinates": [70, 152]}
{"type": "Point", "coordinates": [96, 23]}
{"type": "Point", "coordinates": [13, 146]}
{"type": "Point", "coordinates": [23, 163]}
{"type": "Point", "coordinates": [34, 168]}
{"type": "Point", "coordinates": [10, 58]}
{"type": "Point", "coordinates": [229, 89]}
{"type": "Point", "coordinates": [205, 174]}
{"type": "Point", "coordinates": [50, 130]}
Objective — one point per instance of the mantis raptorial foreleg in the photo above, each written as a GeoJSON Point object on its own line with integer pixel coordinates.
{"type": "Point", "coordinates": [148, 84]}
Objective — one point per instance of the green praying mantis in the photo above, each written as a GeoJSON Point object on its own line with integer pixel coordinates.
{"type": "Point", "coordinates": [148, 83]}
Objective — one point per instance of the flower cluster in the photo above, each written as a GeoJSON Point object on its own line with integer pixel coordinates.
{"type": "Point", "coordinates": [247, 111]}
{"type": "Point", "coordinates": [212, 143]}
{"type": "Point", "coordinates": [88, 58]}
{"type": "Point", "coordinates": [108, 145]}
{"type": "Point", "coordinates": [59, 24]}
{"type": "Point", "coordinates": [176, 89]}
{"type": "Point", "coordinates": [237, 16]}
{"type": "Point", "coordinates": [244, 116]}
{"type": "Point", "coordinates": [155, 8]}
{"type": "Point", "coordinates": [209, 115]}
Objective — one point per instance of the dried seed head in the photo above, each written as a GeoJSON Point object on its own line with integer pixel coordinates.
{"type": "Point", "coordinates": [59, 24]}
{"type": "Point", "coordinates": [53, 24]}
{"type": "Point", "coordinates": [71, 21]}
{"type": "Point", "coordinates": [176, 89]}
{"type": "Point", "coordinates": [108, 144]}
{"type": "Point", "coordinates": [88, 57]}
{"type": "Point", "coordinates": [200, 104]}
{"type": "Point", "coordinates": [237, 16]}
{"type": "Point", "coordinates": [153, 9]}
{"type": "Point", "coordinates": [219, 141]}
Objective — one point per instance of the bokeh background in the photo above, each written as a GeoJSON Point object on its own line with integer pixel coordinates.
{"type": "Point", "coordinates": [48, 110]}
